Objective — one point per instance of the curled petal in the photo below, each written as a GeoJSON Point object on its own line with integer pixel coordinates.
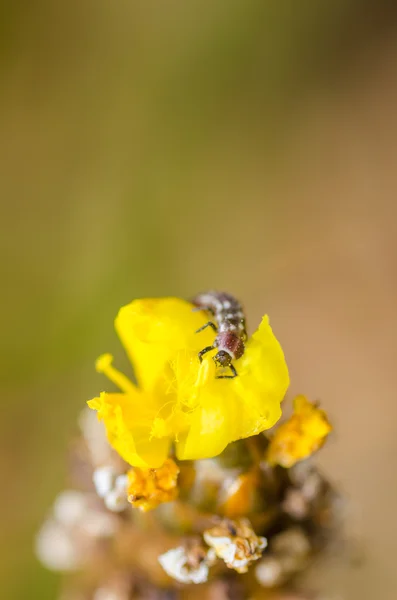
{"type": "Point", "coordinates": [154, 330]}
{"type": "Point", "coordinates": [231, 409]}
{"type": "Point", "coordinates": [128, 420]}
{"type": "Point", "coordinates": [263, 374]}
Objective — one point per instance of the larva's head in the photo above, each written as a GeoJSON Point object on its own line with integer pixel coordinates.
{"type": "Point", "coordinates": [222, 358]}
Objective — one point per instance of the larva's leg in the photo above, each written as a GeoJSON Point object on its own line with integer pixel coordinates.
{"type": "Point", "coordinates": [209, 324]}
{"type": "Point", "coordinates": [204, 351]}
{"type": "Point", "coordinates": [233, 370]}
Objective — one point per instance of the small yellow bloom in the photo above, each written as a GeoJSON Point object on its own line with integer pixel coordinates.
{"type": "Point", "coordinates": [178, 399]}
{"type": "Point", "coordinates": [304, 433]}
{"type": "Point", "coordinates": [150, 487]}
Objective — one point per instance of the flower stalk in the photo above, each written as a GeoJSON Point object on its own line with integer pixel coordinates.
{"type": "Point", "coordinates": [178, 482]}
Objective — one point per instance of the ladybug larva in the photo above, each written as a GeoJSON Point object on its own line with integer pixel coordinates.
{"type": "Point", "coordinates": [229, 326]}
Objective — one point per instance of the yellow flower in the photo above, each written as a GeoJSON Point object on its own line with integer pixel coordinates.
{"type": "Point", "coordinates": [150, 487]}
{"type": "Point", "coordinates": [301, 435]}
{"type": "Point", "coordinates": [178, 399]}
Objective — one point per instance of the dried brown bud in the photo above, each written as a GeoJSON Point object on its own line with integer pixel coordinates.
{"type": "Point", "coordinates": [189, 563]}
{"type": "Point", "coordinates": [289, 553]}
{"type": "Point", "coordinates": [236, 543]}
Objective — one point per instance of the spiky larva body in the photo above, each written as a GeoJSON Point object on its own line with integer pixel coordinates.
{"type": "Point", "coordinates": [230, 327]}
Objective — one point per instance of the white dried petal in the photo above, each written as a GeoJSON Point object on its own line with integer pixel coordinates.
{"type": "Point", "coordinates": [236, 556]}
{"type": "Point", "coordinates": [293, 541]}
{"type": "Point", "coordinates": [121, 482]}
{"type": "Point", "coordinates": [269, 572]}
{"type": "Point", "coordinates": [56, 548]}
{"type": "Point", "coordinates": [116, 500]}
{"type": "Point", "coordinates": [312, 486]}
{"type": "Point", "coordinates": [94, 433]}
{"type": "Point", "coordinates": [104, 479]}
{"type": "Point", "coordinates": [98, 524]}
{"type": "Point", "coordinates": [111, 487]}
{"type": "Point", "coordinates": [175, 564]}
{"type": "Point", "coordinates": [295, 504]}
{"type": "Point", "coordinates": [70, 507]}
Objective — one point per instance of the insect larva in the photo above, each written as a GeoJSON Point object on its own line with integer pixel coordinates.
{"type": "Point", "coordinates": [229, 327]}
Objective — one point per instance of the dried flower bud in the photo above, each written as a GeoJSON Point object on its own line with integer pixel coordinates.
{"type": "Point", "coordinates": [293, 541]}
{"type": "Point", "coordinates": [56, 548]}
{"type": "Point", "coordinates": [289, 552]}
{"type": "Point", "coordinates": [68, 537]}
{"type": "Point", "coordinates": [148, 488]}
{"type": "Point", "coordinates": [295, 504]}
{"type": "Point", "coordinates": [236, 543]}
{"type": "Point", "coordinates": [94, 434]}
{"type": "Point", "coordinates": [112, 487]}
{"type": "Point", "coordinates": [300, 436]}
{"type": "Point", "coordinates": [188, 564]}
{"type": "Point", "coordinates": [269, 572]}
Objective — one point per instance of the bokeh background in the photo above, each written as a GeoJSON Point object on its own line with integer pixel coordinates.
{"type": "Point", "coordinates": [154, 148]}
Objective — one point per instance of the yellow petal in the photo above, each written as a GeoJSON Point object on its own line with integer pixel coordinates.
{"type": "Point", "coordinates": [212, 427]}
{"type": "Point", "coordinates": [225, 410]}
{"type": "Point", "coordinates": [128, 420]}
{"type": "Point", "coordinates": [153, 330]}
{"type": "Point", "coordinates": [263, 366]}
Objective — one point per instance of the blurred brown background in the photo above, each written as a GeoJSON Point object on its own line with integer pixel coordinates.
{"type": "Point", "coordinates": [153, 148]}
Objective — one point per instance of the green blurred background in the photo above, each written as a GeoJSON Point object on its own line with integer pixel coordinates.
{"type": "Point", "coordinates": [155, 148]}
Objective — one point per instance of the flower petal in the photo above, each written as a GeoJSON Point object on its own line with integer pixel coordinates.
{"type": "Point", "coordinates": [212, 426]}
{"type": "Point", "coordinates": [231, 409]}
{"type": "Point", "coordinates": [153, 330]}
{"type": "Point", "coordinates": [264, 361]}
{"type": "Point", "coordinates": [263, 376]}
{"type": "Point", "coordinates": [128, 420]}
